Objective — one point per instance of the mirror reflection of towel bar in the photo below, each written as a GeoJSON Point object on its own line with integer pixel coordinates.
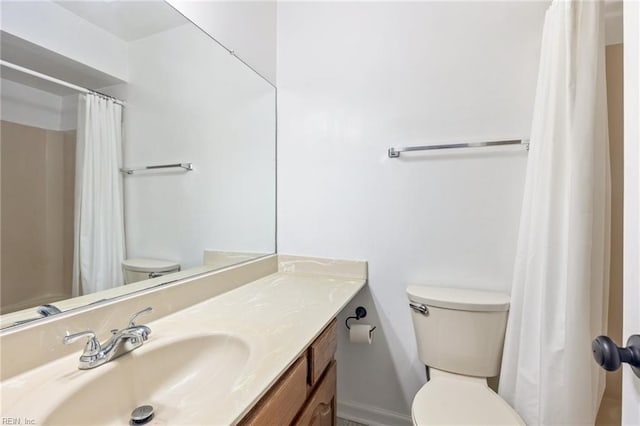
{"type": "Point", "coordinates": [186, 166]}
{"type": "Point", "coordinates": [395, 152]}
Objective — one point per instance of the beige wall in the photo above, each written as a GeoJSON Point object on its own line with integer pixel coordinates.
{"type": "Point", "coordinates": [610, 408]}
{"type": "Point", "coordinates": [69, 205]}
{"type": "Point", "coordinates": [37, 175]}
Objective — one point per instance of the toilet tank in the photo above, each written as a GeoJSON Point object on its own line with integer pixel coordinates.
{"type": "Point", "coordinates": [462, 331]}
{"type": "Point", "coordinates": [140, 269]}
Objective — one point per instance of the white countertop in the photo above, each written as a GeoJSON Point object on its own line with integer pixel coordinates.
{"type": "Point", "coordinates": [279, 315]}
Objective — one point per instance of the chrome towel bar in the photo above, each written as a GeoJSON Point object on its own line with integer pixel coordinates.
{"type": "Point", "coordinates": [186, 166]}
{"type": "Point", "coordinates": [395, 152]}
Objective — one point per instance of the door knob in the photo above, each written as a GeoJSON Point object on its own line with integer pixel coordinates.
{"type": "Point", "coordinates": [609, 356]}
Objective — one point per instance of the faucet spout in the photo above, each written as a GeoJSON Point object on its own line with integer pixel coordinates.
{"type": "Point", "coordinates": [125, 341]}
{"type": "Point", "coordinates": [121, 342]}
{"type": "Point", "coordinates": [48, 310]}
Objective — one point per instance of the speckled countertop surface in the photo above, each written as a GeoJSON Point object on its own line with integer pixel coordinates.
{"type": "Point", "coordinates": [263, 326]}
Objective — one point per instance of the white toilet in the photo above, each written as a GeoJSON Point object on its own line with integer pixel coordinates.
{"type": "Point", "coordinates": [460, 335]}
{"type": "Point", "coordinates": [139, 269]}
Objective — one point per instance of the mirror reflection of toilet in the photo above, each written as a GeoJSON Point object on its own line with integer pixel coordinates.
{"type": "Point", "coordinates": [139, 269]}
{"type": "Point", "coordinates": [460, 337]}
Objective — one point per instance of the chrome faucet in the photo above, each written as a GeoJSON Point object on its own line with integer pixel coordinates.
{"type": "Point", "coordinates": [48, 310]}
{"type": "Point", "coordinates": [120, 342]}
{"type": "Point", "coordinates": [44, 311]}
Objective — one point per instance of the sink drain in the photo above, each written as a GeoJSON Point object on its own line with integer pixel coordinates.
{"type": "Point", "coordinates": [141, 415]}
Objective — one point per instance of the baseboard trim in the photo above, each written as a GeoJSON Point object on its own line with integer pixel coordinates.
{"type": "Point", "coordinates": [370, 415]}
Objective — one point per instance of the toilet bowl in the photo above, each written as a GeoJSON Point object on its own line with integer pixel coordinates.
{"type": "Point", "coordinates": [139, 269]}
{"type": "Point", "coordinates": [460, 336]}
{"type": "Point", "coordinates": [450, 399]}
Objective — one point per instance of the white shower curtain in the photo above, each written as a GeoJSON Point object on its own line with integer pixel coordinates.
{"type": "Point", "coordinates": [560, 289]}
{"type": "Point", "coordinates": [99, 246]}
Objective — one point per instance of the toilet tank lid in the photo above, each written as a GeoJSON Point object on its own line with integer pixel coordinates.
{"type": "Point", "coordinates": [149, 265]}
{"type": "Point", "coordinates": [459, 298]}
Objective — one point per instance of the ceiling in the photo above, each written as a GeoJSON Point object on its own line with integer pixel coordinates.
{"type": "Point", "coordinates": [127, 20]}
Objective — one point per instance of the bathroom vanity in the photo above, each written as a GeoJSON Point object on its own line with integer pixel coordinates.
{"type": "Point", "coordinates": [306, 392]}
{"type": "Point", "coordinates": [260, 351]}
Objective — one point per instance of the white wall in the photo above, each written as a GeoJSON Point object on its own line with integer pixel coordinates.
{"type": "Point", "coordinates": [188, 100]}
{"type": "Point", "coordinates": [357, 78]}
{"type": "Point", "coordinates": [32, 107]}
{"type": "Point", "coordinates": [51, 26]}
{"type": "Point", "coordinates": [69, 113]}
{"type": "Point", "coordinates": [246, 27]}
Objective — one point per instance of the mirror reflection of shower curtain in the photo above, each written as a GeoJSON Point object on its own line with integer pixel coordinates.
{"type": "Point", "coordinates": [561, 274]}
{"type": "Point", "coordinates": [99, 245]}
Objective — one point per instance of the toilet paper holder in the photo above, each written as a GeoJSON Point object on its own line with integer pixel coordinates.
{"type": "Point", "coordinates": [361, 312]}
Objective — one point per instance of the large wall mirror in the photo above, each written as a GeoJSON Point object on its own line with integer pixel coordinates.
{"type": "Point", "coordinates": [135, 151]}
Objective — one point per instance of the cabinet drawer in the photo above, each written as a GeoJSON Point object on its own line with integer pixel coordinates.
{"type": "Point", "coordinates": [284, 399]}
{"type": "Point", "coordinates": [322, 352]}
{"type": "Point", "coordinates": [320, 409]}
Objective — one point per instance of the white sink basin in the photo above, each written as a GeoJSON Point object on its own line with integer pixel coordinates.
{"type": "Point", "coordinates": [177, 377]}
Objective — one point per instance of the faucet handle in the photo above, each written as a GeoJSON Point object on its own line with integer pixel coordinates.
{"type": "Point", "coordinates": [137, 314]}
{"type": "Point", "coordinates": [91, 348]}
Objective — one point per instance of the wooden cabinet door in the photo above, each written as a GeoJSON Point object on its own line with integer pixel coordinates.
{"type": "Point", "coordinates": [283, 401]}
{"type": "Point", "coordinates": [320, 409]}
{"type": "Point", "coordinates": [322, 351]}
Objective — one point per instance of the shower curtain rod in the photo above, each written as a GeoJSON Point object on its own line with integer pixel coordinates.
{"type": "Point", "coordinates": [57, 81]}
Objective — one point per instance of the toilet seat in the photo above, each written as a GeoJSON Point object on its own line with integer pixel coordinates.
{"type": "Point", "coordinates": [449, 400]}
{"type": "Point", "coordinates": [150, 265]}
